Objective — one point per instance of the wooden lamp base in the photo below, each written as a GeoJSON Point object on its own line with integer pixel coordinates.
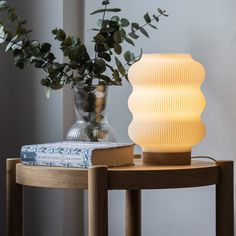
{"type": "Point", "coordinates": [166, 159]}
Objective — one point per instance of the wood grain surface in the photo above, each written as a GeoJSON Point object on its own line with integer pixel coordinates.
{"type": "Point", "coordinates": [98, 201]}
{"type": "Point", "coordinates": [139, 176]}
{"type": "Point", "coordinates": [14, 198]}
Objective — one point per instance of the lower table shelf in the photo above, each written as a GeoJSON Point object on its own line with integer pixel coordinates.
{"type": "Point", "coordinates": [99, 179]}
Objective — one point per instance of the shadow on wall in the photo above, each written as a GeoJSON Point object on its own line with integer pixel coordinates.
{"type": "Point", "coordinates": [16, 117]}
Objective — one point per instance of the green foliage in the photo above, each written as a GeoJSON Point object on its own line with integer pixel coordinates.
{"type": "Point", "coordinates": [109, 65]}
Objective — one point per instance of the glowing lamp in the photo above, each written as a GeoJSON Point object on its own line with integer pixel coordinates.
{"type": "Point", "coordinates": [166, 104]}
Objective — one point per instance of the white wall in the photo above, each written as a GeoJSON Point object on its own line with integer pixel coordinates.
{"type": "Point", "coordinates": [207, 30]}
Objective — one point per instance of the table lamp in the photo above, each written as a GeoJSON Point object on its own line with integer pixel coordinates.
{"type": "Point", "coordinates": [166, 104]}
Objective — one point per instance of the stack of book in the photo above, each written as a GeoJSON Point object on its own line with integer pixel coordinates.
{"type": "Point", "coordinates": [78, 154]}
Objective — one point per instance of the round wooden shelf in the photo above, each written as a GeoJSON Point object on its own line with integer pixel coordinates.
{"type": "Point", "coordinates": [139, 176]}
{"type": "Point", "coordinates": [99, 179]}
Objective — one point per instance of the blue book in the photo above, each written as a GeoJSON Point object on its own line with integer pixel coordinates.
{"type": "Point", "coordinates": [78, 154]}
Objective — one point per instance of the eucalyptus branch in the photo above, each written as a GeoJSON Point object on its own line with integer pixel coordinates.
{"type": "Point", "coordinates": [109, 41]}
{"type": "Point", "coordinates": [13, 16]}
{"type": "Point", "coordinates": [25, 33]}
{"type": "Point", "coordinates": [144, 25]}
{"type": "Point", "coordinates": [103, 18]}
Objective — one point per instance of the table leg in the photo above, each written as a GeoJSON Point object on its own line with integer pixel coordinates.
{"type": "Point", "coordinates": [14, 199]}
{"type": "Point", "coordinates": [133, 213]}
{"type": "Point", "coordinates": [98, 201]}
{"type": "Point", "coordinates": [225, 200]}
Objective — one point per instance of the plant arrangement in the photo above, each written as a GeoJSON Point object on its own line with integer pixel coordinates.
{"type": "Point", "coordinates": [109, 64]}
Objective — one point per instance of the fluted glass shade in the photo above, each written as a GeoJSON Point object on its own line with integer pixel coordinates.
{"type": "Point", "coordinates": [166, 104]}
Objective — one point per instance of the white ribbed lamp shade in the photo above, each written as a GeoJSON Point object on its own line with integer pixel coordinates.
{"type": "Point", "coordinates": [166, 104]}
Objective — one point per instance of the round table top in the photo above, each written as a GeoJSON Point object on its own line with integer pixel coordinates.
{"type": "Point", "coordinates": [139, 176]}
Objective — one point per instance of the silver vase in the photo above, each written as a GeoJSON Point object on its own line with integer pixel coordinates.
{"type": "Point", "coordinates": [91, 123]}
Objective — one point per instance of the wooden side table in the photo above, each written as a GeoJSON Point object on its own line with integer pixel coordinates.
{"type": "Point", "coordinates": [99, 179]}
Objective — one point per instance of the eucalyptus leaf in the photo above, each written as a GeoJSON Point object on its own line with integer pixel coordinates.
{"type": "Point", "coordinates": [100, 47]}
{"type": "Point", "coordinates": [160, 11]}
{"type": "Point", "coordinates": [122, 70]}
{"type": "Point", "coordinates": [127, 56]}
{"type": "Point", "coordinates": [34, 44]}
{"type": "Point", "coordinates": [45, 82]}
{"type": "Point", "coordinates": [117, 48]}
{"type": "Point", "coordinates": [117, 37]}
{"type": "Point", "coordinates": [39, 64]}
{"type": "Point", "coordinates": [18, 53]}
{"type": "Point", "coordinates": [105, 2]}
{"type": "Point", "coordinates": [125, 22]}
{"type": "Point", "coordinates": [99, 22]}
{"type": "Point", "coordinates": [9, 45]}
{"type": "Point", "coordinates": [99, 38]}
{"type": "Point", "coordinates": [61, 35]}
{"type": "Point", "coordinates": [35, 51]}
{"type": "Point", "coordinates": [50, 57]}
{"type": "Point", "coordinates": [108, 30]}
{"type": "Point", "coordinates": [99, 66]}
{"type": "Point", "coordinates": [153, 26]}
{"type": "Point", "coordinates": [123, 33]}
{"type": "Point", "coordinates": [133, 35]}
{"type": "Point", "coordinates": [164, 14]}
{"type": "Point", "coordinates": [95, 29]}
{"type": "Point", "coordinates": [115, 18]}
{"type": "Point", "coordinates": [81, 50]}
{"type": "Point", "coordinates": [120, 66]}
{"type": "Point", "coordinates": [45, 47]}
{"type": "Point", "coordinates": [68, 41]}
{"type": "Point", "coordinates": [147, 18]}
{"type": "Point", "coordinates": [2, 37]}
{"type": "Point", "coordinates": [135, 26]}
{"type": "Point", "coordinates": [118, 62]}
{"type": "Point", "coordinates": [144, 32]}
{"type": "Point", "coordinates": [56, 85]}
{"type": "Point", "coordinates": [106, 23]}
{"type": "Point", "coordinates": [106, 10]}
{"type": "Point", "coordinates": [15, 38]}
{"type": "Point", "coordinates": [106, 56]}
{"type": "Point", "coordinates": [17, 45]}
{"type": "Point", "coordinates": [54, 31]}
{"type": "Point", "coordinates": [116, 75]}
{"type": "Point", "coordinates": [129, 40]}
{"type": "Point", "coordinates": [20, 30]}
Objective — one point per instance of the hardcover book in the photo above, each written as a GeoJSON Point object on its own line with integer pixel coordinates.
{"type": "Point", "coordinates": [78, 154]}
